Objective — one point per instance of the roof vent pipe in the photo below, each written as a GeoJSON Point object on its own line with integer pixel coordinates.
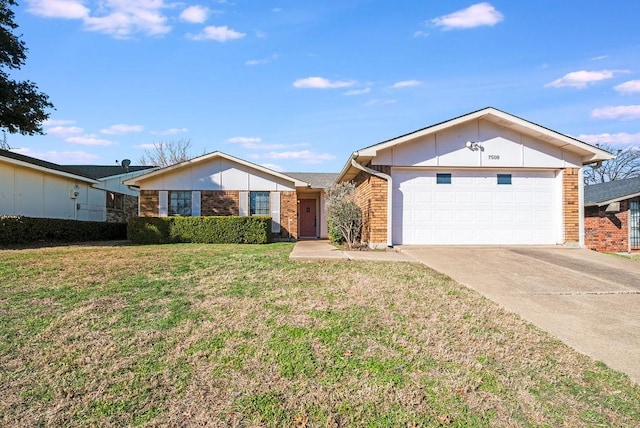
{"type": "Point", "coordinates": [389, 193]}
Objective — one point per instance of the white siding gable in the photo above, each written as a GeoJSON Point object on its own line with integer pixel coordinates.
{"type": "Point", "coordinates": [499, 147]}
{"type": "Point", "coordinates": [218, 174]}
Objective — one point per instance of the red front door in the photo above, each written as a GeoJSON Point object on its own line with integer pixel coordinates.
{"type": "Point", "coordinates": [307, 217]}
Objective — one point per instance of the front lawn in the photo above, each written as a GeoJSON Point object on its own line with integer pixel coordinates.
{"type": "Point", "coordinates": [229, 335]}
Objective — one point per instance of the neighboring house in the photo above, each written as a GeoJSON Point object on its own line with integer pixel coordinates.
{"type": "Point", "coordinates": [220, 184]}
{"type": "Point", "coordinates": [32, 187]}
{"type": "Point", "coordinates": [487, 177]}
{"type": "Point", "coordinates": [612, 216]}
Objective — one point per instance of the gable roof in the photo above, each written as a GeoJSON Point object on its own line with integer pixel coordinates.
{"type": "Point", "coordinates": [587, 152]}
{"type": "Point", "coordinates": [207, 157]}
{"type": "Point", "coordinates": [316, 180]}
{"type": "Point", "coordinates": [611, 191]}
{"type": "Point", "coordinates": [101, 171]}
{"type": "Point", "coordinates": [42, 165]}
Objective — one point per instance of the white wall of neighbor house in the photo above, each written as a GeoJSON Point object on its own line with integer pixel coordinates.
{"type": "Point", "coordinates": [499, 147]}
{"type": "Point", "coordinates": [114, 183]}
{"type": "Point", "coordinates": [218, 174]}
{"type": "Point", "coordinates": [34, 193]}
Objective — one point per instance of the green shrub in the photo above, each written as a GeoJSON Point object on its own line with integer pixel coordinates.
{"type": "Point", "coordinates": [335, 235]}
{"type": "Point", "coordinates": [21, 230]}
{"type": "Point", "coordinates": [203, 230]}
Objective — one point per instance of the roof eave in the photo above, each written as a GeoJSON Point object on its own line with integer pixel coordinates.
{"type": "Point", "coordinates": [50, 170]}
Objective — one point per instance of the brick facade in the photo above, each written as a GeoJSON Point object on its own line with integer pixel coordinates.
{"type": "Point", "coordinates": [371, 197]}
{"type": "Point", "coordinates": [223, 203]}
{"type": "Point", "coordinates": [129, 209]}
{"type": "Point", "coordinates": [571, 205]}
{"type": "Point", "coordinates": [219, 202]}
{"type": "Point", "coordinates": [149, 203]}
{"type": "Point", "coordinates": [607, 231]}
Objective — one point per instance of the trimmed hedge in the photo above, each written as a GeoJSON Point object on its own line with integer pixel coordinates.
{"type": "Point", "coordinates": [202, 230]}
{"type": "Point", "coordinates": [22, 230]}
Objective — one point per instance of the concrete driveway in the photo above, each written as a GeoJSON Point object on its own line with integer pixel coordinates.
{"type": "Point", "coordinates": [590, 301]}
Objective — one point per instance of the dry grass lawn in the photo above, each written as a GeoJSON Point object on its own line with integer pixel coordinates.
{"type": "Point", "coordinates": [222, 335]}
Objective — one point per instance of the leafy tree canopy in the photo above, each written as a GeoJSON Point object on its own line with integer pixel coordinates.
{"type": "Point", "coordinates": [22, 106]}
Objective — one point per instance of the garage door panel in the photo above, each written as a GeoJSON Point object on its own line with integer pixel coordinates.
{"type": "Point", "coordinates": [474, 209]}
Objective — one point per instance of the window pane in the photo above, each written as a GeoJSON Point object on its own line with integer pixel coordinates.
{"type": "Point", "coordinates": [443, 178]}
{"type": "Point", "coordinates": [180, 203]}
{"type": "Point", "coordinates": [504, 178]}
{"type": "Point", "coordinates": [259, 203]}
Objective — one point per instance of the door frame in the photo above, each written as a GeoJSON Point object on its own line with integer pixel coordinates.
{"type": "Point", "coordinates": [316, 202]}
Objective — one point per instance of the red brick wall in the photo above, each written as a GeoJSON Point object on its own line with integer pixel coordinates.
{"type": "Point", "coordinates": [571, 205]}
{"type": "Point", "coordinates": [371, 197]}
{"type": "Point", "coordinates": [218, 202]}
{"type": "Point", "coordinates": [149, 203]}
{"type": "Point", "coordinates": [289, 215]}
{"type": "Point", "coordinates": [607, 232]}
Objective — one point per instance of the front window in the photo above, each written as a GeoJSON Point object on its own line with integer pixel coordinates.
{"type": "Point", "coordinates": [180, 203]}
{"type": "Point", "coordinates": [115, 201]}
{"type": "Point", "coordinates": [259, 203]}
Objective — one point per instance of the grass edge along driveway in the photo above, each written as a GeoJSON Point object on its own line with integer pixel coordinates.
{"type": "Point", "coordinates": [229, 335]}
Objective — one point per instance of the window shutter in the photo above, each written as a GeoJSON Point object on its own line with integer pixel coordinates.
{"type": "Point", "coordinates": [275, 212]}
{"type": "Point", "coordinates": [195, 203]}
{"type": "Point", "coordinates": [244, 204]}
{"type": "Point", "coordinates": [163, 203]}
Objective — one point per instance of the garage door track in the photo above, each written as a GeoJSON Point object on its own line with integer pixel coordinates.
{"type": "Point", "coordinates": [590, 301]}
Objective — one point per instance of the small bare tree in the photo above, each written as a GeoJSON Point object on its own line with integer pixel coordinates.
{"type": "Point", "coordinates": [625, 165]}
{"type": "Point", "coordinates": [344, 214]}
{"type": "Point", "coordinates": [165, 153]}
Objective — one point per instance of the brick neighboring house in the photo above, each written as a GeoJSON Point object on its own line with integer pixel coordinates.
{"type": "Point", "coordinates": [221, 184]}
{"type": "Point", "coordinates": [484, 178]}
{"type": "Point", "coordinates": [612, 216]}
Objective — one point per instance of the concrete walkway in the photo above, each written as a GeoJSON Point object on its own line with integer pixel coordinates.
{"type": "Point", "coordinates": [315, 250]}
{"type": "Point", "coordinates": [589, 300]}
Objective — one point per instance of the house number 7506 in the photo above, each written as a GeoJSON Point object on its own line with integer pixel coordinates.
{"type": "Point", "coordinates": [494, 157]}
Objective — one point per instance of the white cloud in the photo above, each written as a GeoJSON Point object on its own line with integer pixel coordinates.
{"type": "Point", "coordinates": [276, 9]}
{"type": "Point", "coordinates": [273, 167]}
{"type": "Point", "coordinates": [580, 79]}
{"type": "Point", "coordinates": [305, 156]}
{"type": "Point", "coordinates": [322, 83]}
{"type": "Point", "coordinates": [619, 138]}
{"type": "Point", "coordinates": [358, 91]}
{"type": "Point", "coordinates": [420, 33]}
{"type": "Point", "coordinates": [118, 18]}
{"type": "Point", "coordinates": [58, 122]}
{"type": "Point", "coordinates": [406, 84]}
{"type": "Point", "coordinates": [244, 140]}
{"type": "Point", "coordinates": [171, 131]}
{"type": "Point", "coordinates": [217, 34]}
{"type": "Point", "coordinates": [122, 128]}
{"type": "Point", "coordinates": [380, 102]}
{"type": "Point", "coordinates": [262, 61]}
{"type": "Point", "coordinates": [195, 14]}
{"type": "Point", "coordinates": [629, 87]}
{"type": "Point", "coordinates": [64, 131]}
{"type": "Point", "coordinates": [617, 112]}
{"type": "Point", "coordinates": [64, 158]}
{"type": "Point", "coordinates": [124, 18]}
{"type": "Point", "coordinates": [598, 58]}
{"type": "Point", "coordinates": [89, 140]}
{"type": "Point", "coordinates": [145, 146]}
{"type": "Point", "coordinates": [68, 9]}
{"type": "Point", "coordinates": [474, 16]}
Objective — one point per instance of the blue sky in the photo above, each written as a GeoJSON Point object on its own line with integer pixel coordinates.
{"type": "Point", "coordinates": [298, 85]}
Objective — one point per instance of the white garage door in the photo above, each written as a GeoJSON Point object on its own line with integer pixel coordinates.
{"type": "Point", "coordinates": [471, 208]}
